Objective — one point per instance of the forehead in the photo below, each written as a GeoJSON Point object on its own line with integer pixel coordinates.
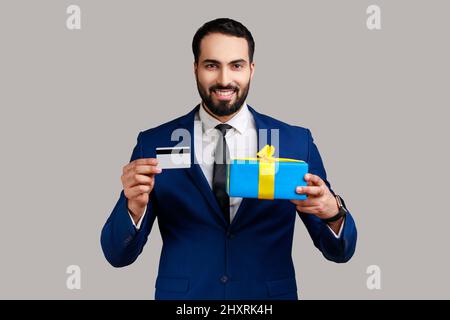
{"type": "Point", "coordinates": [223, 48]}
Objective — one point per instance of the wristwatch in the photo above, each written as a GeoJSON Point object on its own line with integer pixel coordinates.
{"type": "Point", "coordinates": [341, 213]}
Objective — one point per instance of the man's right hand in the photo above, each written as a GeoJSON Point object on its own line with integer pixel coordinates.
{"type": "Point", "coordinates": [138, 180]}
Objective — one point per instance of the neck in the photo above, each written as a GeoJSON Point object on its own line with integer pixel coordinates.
{"type": "Point", "coordinates": [222, 119]}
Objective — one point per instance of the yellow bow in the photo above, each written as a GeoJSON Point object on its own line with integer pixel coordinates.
{"type": "Point", "coordinates": [267, 153]}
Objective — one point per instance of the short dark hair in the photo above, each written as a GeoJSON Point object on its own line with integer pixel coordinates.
{"type": "Point", "coordinates": [224, 26]}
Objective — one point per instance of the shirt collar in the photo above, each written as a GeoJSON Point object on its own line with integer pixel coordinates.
{"type": "Point", "coordinates": [239, 122]}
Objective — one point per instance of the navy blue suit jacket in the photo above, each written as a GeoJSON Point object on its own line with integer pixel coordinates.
{"type": "Point", "coordinates": [204, 258]}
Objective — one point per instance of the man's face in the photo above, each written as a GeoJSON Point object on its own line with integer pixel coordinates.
{"type": "Point", "coordinates": [223, 73]}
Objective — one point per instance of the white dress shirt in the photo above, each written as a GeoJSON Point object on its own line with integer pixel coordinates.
{"type": "Point", "coordinates": [242, 141]}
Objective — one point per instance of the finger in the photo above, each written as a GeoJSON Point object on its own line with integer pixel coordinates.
{"type": "Point", "coordinates": [146, 161]}
{"type": "Point", "coordinates": [306, 203]}
{"type": "Point", "coordinates": [299, 202]}
{"type": "Point", "coordinates": [314, 191]}
{"type": "Point", "coordinates": [135, 191]}
{"type": "Point", "coordinates": [141, 179]}
{"type": "Point", "coordinates": [315, 180]}
{"type": "Point", "coordinates": [140, 162]}
{"type": "Point", "coordinates": [308, 210]}
{"type": "Point", "coordinates": [143, 169]}
{"type": "Point", "coordinates": [147, 170]}
{"type": "Point", "coordinates": [131, 180]}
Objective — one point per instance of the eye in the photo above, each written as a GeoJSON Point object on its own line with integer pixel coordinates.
{"type": "Point", "coordinates": [238, 66]}
{"type": "Point", "coordinates": [210, 66]}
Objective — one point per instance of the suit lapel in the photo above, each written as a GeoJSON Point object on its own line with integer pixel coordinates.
{"type": "Point", "coordinates": [195, 172]}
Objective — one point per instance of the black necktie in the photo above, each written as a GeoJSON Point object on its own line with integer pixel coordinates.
{"type": "Point", "coordinates": [221, 157]}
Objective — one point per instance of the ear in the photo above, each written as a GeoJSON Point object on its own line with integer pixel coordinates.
{"type": "Point", "coordinates": [252, 70]}
{"type": "Point", "coordinates": [195, 67]}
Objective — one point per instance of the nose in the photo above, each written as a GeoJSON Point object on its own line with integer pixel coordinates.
{"type": "Point", "coordinates": [224, 78]}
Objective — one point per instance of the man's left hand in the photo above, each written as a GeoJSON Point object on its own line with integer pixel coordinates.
{"type": "Point", "coordinates": [320, 202]}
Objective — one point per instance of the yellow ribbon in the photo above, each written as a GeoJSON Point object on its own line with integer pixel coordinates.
{"type": "Point", "coordinates": [266, 176]}
{"type": "Point", "coordinates": [266, 183]}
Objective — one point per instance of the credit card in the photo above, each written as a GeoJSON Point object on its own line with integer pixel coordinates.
{"type": "Point", "coordinates": [173, 157]}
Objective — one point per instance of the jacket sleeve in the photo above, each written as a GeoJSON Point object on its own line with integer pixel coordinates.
{"type": "Point", "coordinates": [120, 240]}
{"type": "Point", "coordinates": [335, 249]}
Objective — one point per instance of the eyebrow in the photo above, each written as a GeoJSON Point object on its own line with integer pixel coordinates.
{"type": "Point", "coordinates": [218, 62]}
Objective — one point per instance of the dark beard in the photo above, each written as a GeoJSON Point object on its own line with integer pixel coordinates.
{"type": "Point", "coordinates": [222, 108]}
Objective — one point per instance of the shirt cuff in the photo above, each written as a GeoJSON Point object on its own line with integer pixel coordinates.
{"type": "Point", "coordinates": [138, 224]}
{"type": "Point", "coordinates": [337, 236]}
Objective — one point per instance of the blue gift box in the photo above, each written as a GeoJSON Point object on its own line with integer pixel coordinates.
{"type": "Point", "coordinates": [266, 177]}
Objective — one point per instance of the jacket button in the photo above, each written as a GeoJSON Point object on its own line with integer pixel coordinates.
{"type": "Point", "coordinates": [224, 279]}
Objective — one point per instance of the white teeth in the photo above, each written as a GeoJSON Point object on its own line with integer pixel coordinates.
{"type": "Point", "coordinates": [224, 92]}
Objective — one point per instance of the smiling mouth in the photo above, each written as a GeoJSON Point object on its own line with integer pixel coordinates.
{"type": "Point", "coordinates": [224, 94]}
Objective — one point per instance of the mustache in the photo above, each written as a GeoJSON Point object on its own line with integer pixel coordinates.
{"type": "Point", "coordinates": [213, 88]}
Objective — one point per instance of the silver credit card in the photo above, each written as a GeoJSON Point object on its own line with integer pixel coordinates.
{"type": "Point", "coordinates": [173, 157]}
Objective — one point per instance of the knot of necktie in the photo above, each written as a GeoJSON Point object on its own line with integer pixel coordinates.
{"type": "Point", "coordinates": [223, 127]}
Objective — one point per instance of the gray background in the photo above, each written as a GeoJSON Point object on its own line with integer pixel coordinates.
{"type": "Point", "coordinates": [73, 102]}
